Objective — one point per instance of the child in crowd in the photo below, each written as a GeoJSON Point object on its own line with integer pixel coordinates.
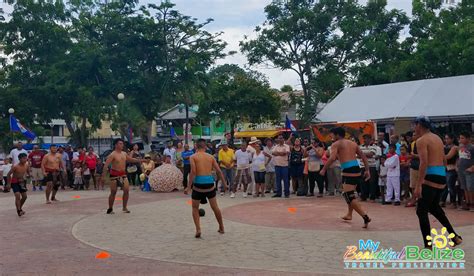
{"type": "Point", "coordinates": [393, 176]}
{"type": "Point", "coordinates": [6, 167]}
{"type": "Point", "coordinates": [404, 172]}
{"type": "Point", "coordinates": [78, 177]}
{"type": "Point", "coordinates": [383, 177]}
{"type": "Point", "coordinates": [87, 177]}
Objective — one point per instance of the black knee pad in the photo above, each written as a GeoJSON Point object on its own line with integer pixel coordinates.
{"type": "Point", "coordinates": [349, 196]}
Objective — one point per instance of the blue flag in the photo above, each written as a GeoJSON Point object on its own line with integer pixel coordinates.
{"type": "Point", "coordinates": [16, 126]}
{"type": "Point", "coordinates": [289, 125]}
{"type": "Point", "coordinates": [172, 132]}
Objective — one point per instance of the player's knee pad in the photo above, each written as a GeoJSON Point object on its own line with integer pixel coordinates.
{"type": "Point", "coordinates": [349, 196]}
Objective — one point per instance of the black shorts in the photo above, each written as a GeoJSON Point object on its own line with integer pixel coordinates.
{"type": "Point", "coordinates": [203, 196]}
{"type": "Point", "coordinates": [19, 187]}
{"type": "Point", "coordinates": [259, 177]}
{"type": "Point", "coordinates": [438, 179]}
{"type": "Point", "coordinates": [351, 180]}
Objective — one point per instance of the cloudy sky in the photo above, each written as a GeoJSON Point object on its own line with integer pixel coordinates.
{"type": "Point", "coordinates": [237, 18]}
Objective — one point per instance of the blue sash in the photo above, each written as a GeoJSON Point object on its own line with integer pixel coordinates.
{"type": "Point", "coordinates": [204, 179]}
{"type": "Point", "coordinates": [436, 170]}
{"type": "Point", "coordinates": [348, 164]}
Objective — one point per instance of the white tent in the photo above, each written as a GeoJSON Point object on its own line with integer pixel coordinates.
{"type": "Point", "coordinates": [443, 98]}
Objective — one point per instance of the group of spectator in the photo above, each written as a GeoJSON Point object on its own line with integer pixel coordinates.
{"type": "Point", "coordinates": [260, 167]}
{"type": "Point", "coordinates": [79, 167]}
{"type": "Point", "coordinates": [394, 170]}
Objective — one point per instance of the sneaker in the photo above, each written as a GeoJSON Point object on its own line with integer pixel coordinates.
{"type": "Point", "coordinates": [287, 196]}
{"type": "Point", "coordinates": [276, 196]}
{"type": "Point", "coordinates": [232, 195]}
{"type": "Point", "coordinates": [386, 203]}
{"type": "Point", "coordinates": [222, 193]}
{"type": "Point", "coordinates": [245, 195]}
{"type": "Point", "coordinates": [330, 194]}
{"type": "Point", "coordinates": [34, 188]}
{"type": "Point", "coordinates": [442, 204]}
{"type": "Point", "coordinates": [397, 203]}
{"type": "Point", "coordinates": [320, 195]}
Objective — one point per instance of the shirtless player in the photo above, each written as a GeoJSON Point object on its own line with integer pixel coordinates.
{"type": "Point", "coordinates": [118, 175]}
{"type": "Point", "coordinates": [202, 183]}
{"type": "Point", "coordinates": [16, 178]}
{"type": "Point", "coordinates": [346, 151]}
{"type": "Point", "coordinates": [431, 179]}
{"type": "Point", "coordinates": [51, 165]}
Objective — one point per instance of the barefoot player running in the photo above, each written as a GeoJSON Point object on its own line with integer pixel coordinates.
{"type": "Point", "coordinates": [51, 165]}
{"type": "Point", "coordinates": [202, 183]}
{"type": "Point", "coordinates": [16, 178]}
{"type": "Point", "coordinates": [431, 179]}
{"type": "Point", "coordinates": [346, 151]}
{"type": "Point", "coordinates": [118, 174]}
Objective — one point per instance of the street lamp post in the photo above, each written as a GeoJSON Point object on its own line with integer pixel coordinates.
{"type": "Point", "coordinates": [121, 97]}
{"type": "Point", "coordinates": [171, 125]}
{"type": "Point", "coordinates": [11, 111]}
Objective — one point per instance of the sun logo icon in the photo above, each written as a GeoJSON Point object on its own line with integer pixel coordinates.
{"type": "Point", "coordinates": [440, 240]}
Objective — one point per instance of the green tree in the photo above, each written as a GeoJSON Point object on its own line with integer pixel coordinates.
{"type": "Point", "coordinates": [286, 88]}
{"type": "Point", "coordinates": [236, 95]}
{"type": "Point", "coordinates": [310, 38]}
{"type": "Point", "coordinates": [189, 50]}
{"type": "Point", "coordinates": [441, 42]}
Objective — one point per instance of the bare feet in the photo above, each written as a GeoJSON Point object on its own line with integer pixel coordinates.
{"type": "Point", "coordinates": [347, 217]}
{"type": "Point", "coordinates": [23, 213]}
{"type": "Point", "coordinates": [366, 221]}
{"type": "Point", "coordinates": [198, 235]}
{"type": "Point", "coordinates": [48, 202]}
{"type": "Point", "coordinates": [221, 230]}
{"type": "Point", "coordinates": [54, 199]}
{"type": "Point", "coordinates": [126, 211]}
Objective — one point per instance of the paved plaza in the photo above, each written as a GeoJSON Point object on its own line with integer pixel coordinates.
{"type": "Point", "coordinates": [263, 236]}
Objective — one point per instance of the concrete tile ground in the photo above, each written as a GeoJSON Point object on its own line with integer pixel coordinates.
{"type": "Point", "coordinates": [262, 236]}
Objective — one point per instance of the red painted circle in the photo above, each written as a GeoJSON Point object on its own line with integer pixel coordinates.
{"type": "Point", "coordinates": [325, 214]}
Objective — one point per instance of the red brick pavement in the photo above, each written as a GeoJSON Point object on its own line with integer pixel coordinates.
{"type": "Point", "coordinates": [41, 243]}
{"type": "Point", "coordinates": [324, 214]}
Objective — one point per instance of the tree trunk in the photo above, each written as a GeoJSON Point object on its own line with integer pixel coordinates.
{"type": "Point", "coordinates": [187, 124]}
{"type": "Point", "coordinates": [72, 131]}
{"type": "Point", "coordinates": [232, 126]}
{"type": "Point", "coordinates": [147, 137]}
{"type": "Point", "coordinates": [83, 131]}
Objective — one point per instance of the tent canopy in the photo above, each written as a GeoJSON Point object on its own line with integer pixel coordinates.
{"type": "Point", "coordinates": [442, 97]}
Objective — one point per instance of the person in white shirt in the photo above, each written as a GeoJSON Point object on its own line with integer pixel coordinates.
{"type": "Point", "coordinates": [5, 168]}
{"type": "Point", "coordinates": [170, 151]}
{"type": "Point", "coordinates": [259, 164]}
{"type": "Point", "coordinates": [243, 159]}
{"type": "Point", "coordinates": [251, 149]}
{"type": "Point", "coordinates": [270, 169]}
{"type": "Point", "coordinates": [393, 176]}
{"type": "Point", "coordinates": [16, 151]}
{"type": "Point", "coordinates": [383, 177]}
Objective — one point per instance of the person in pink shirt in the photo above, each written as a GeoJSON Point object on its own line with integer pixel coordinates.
{"type": "Point", "coordinates": [90, 161]}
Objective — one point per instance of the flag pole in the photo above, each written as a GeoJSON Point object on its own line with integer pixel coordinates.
{"type": "Point", "coordinates": [11, 111]}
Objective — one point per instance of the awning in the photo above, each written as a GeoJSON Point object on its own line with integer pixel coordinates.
{"type": "Point", "coordinates": [257, 133]}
